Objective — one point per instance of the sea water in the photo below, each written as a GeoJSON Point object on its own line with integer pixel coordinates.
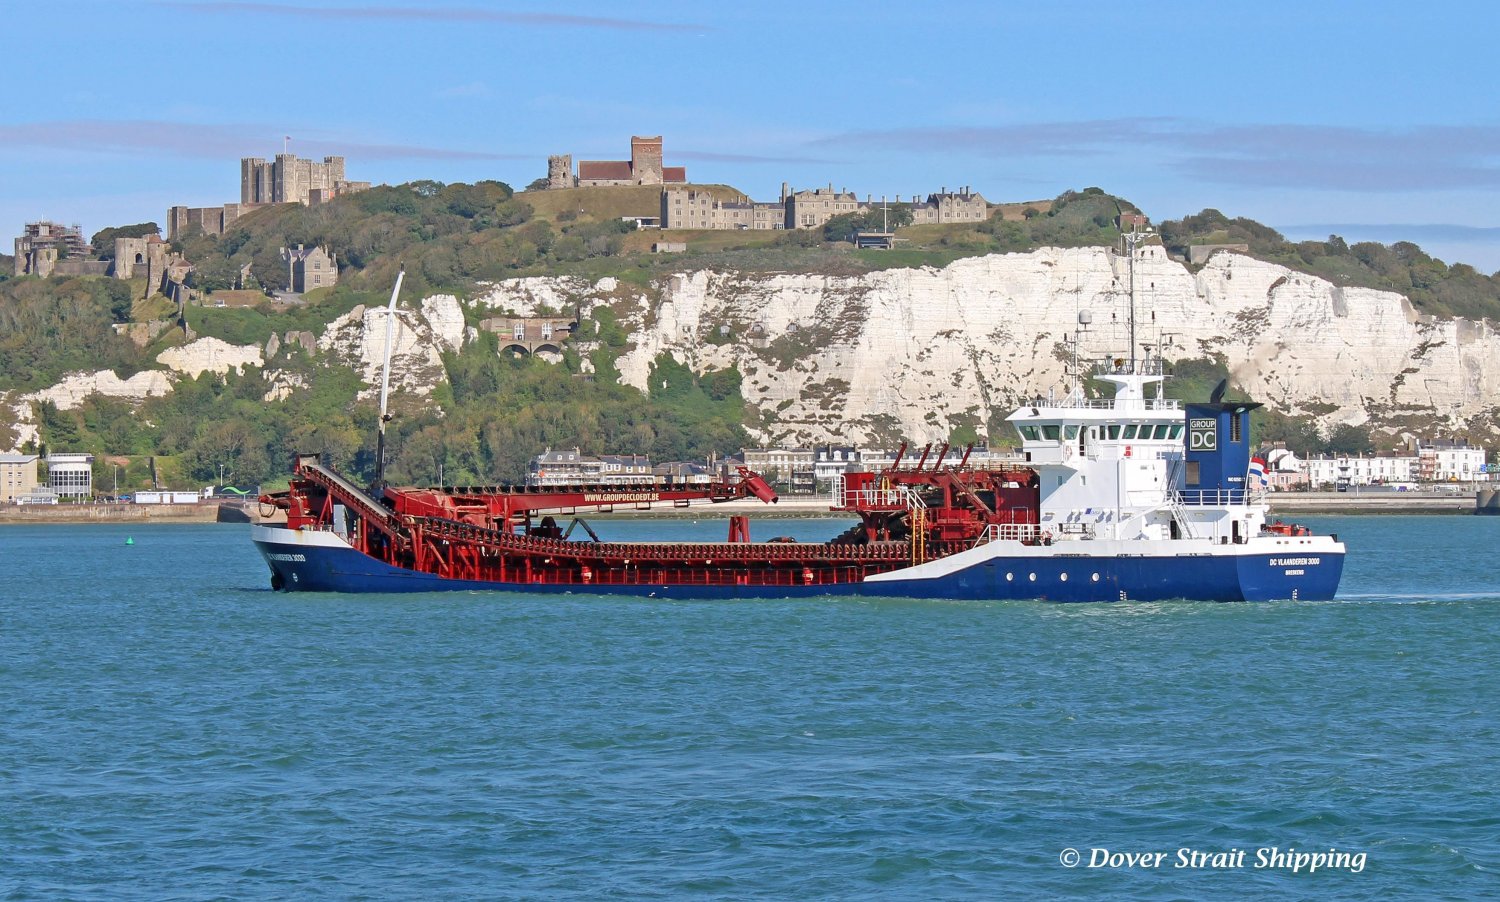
{"type": "Point", "coordinates": [171, 729]}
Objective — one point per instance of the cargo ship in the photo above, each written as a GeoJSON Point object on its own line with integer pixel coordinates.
{"type": "Point", "coordinates": [1133, 497]}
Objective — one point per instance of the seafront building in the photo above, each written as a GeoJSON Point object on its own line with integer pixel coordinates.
{"type": "Point", "coordinates": [1444, 460]}
{"type": "Point", "coordinates": [1440, 460]}
{"type": "Point", "coordinates": [570, 467]}
{"type": "Point", "coordinates": [17, 476]}
{"type": "Point", "coordinates": [71, 475]}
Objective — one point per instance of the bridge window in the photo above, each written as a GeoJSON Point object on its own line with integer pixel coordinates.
{"type": "Point", "coordinates": [1070, 432]}
{"type": "Point", "coordinates": [1029, 433]}
{"type": "Point", "coordinates": [1112, 431]}
{"type": "Point", "coordinates": [1177, 431]}
{"type": "Point", "coordinates": [1130, 432]}
{"type": "Point", "coordinates": [1051, 431]}
{"type": "Point", "coordinates": [1162, 429]}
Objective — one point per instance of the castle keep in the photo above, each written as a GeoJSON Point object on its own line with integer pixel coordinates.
{"type": "Point", "coordinates": [288, 179]}
{"type": "Point", "coordinates": [285, 180]}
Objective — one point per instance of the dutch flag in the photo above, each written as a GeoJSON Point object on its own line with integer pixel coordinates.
{"type": "Point", "coordinates": [1258, 471]}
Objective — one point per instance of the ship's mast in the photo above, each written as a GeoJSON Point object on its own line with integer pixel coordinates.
{"type": "Point", "coordinates": [385, 381]}
{"type": "Point", "coordinates": [1130, 246]}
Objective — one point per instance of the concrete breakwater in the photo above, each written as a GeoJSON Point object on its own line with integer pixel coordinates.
{"type": "Point", "coordinates": [1353, 502]}
{"type": "Point", "coordinates": [203, 512]}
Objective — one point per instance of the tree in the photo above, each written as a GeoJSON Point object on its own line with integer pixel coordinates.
{"type": "Point", "coordinates": [103, 241]}
{"type": "Point", "coordinates": [120, 300]}
{"type": "Point", "coordinates": [1349, 439]}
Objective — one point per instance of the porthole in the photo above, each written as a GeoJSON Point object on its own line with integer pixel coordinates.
{"type": "Point", "coordinates": [1096, 577]}
{"type": "Point", "coordinates": [1009, 577]}
{"type": "Point", "coordinates": [1033, 577]}
{"type": "Point", "coordinates": [1064, 577]}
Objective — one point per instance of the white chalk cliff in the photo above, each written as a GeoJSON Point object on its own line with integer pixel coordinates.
{"type": "Point", "coordinates": [920, 351]}
{"type": "Point", "coordinates": [916, 352]}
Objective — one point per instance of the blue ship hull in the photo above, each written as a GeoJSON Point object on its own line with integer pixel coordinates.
{"type": "Point", "coordinates": [1238, 575]}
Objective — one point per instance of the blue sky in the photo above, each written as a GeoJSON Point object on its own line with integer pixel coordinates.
{"type": "Point", "coordinates": [1377, 120]}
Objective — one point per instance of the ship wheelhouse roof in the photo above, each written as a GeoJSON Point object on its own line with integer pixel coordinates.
{"type": "Point", "coordinates": [1101, 420]}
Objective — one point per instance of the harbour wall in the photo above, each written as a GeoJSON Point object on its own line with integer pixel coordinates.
{"type": "Point", "coordinates": [210, 512]}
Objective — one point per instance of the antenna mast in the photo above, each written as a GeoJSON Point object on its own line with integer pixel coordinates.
{"type": "Point", "coordinates": [1133, 238]}
{"type": "Point", "coordinates": [1130, 239]}
{"type": "Point", "coordinates": [385, 381]}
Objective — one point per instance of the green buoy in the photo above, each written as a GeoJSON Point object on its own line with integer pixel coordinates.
{"type": "Point", "coordinates": [129, 540]}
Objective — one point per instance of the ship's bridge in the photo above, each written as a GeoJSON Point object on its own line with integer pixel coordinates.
{"type": "Point", "coordinates": [1077, 428]}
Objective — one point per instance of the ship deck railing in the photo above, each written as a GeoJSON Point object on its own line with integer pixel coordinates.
{"type": "Point", "coordinates": [1167, 404]}
{"type": "Point", "coordinates": [1215, 497]}
{"type": "Point", "coordinates": [1015, 532]}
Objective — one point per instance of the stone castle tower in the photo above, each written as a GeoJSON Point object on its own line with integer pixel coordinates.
{"type": "Point", "coordinates": [147, 257]}
{"type": "Point", "coordinates": [645, 159]}
{"type": "Point", "coordinates": [288, 179]}
{"type": "Point", "coordinates": [560, 171]}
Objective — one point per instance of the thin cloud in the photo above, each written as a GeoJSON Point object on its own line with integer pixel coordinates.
{"type": "Point", "coordinates": [434, 14]}
{"type": "Point", "coordinates": [201, 140]}
{"type": "Point", "coordinates": [1420, 158]}
{"type": "Point", "coordinates": [709, 156]}
{"type": "Point", "coordinates": [1394, 231]}
{"type": "Point", "coordinates": [1023, 139]}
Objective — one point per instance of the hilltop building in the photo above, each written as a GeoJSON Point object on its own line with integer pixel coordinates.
{"type": "Point", "coordinates": [288, 179]}
{"type": "Point", "coordinates": [152, 258]}
{"type": "Point", "coordinates": [697, 208]}
{"type": "Point", "coordinates": [211, 220]}
{"type": "Point", "coordinates": [309, 268]}
{"type": "Point", "coordinates": [811, 209]}
{"type": "Point", "coordinates": [643, 168]}
{"type": "Point", "coordinates": [943, 207]}
{"type": "Point", "coordinates": [700, 208]}
{"type": "Point", "coordinates": [50, 248]}
{"type": "Point", "coordinates": [285, 180]}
